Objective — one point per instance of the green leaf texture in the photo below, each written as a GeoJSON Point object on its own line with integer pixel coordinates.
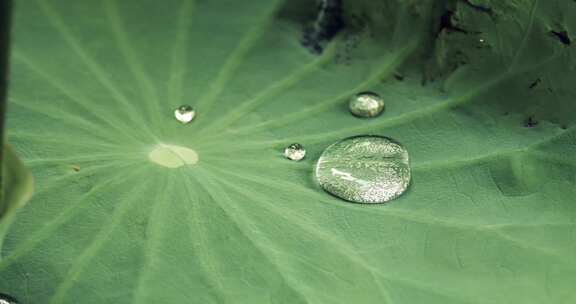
{"type": "Point", "coordinates": [483, 98]}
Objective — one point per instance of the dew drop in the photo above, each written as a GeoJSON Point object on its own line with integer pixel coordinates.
{"type": "Point", "coordinates": [364, 169]}
{"type": "Point", "coordinates": [184, 114]}
{"type": "Point", "coordinates": [6, 299]}
{"type": "Point", "coordinates": [295, 152]}
{"type": "Point", "coordinates": [366, 105]}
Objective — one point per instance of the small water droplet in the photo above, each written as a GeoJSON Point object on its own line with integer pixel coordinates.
{"type": "Point", "coordinates": [364, 169]}
{"type": "Point", "coordinates": [295, 152]}
{"type": "Point", "coordinates": [184, 114]}
{"type": "Point", "coordinates": [366, 105]}
{"type": "Point", "coordinates": [6, 299]}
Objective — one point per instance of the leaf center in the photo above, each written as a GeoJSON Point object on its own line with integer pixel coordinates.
{"type": "Point", "coordinates": [172, 156]}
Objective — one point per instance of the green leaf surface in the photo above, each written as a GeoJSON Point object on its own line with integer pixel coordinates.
{"type": "Point", "coordinates": [484, 104]}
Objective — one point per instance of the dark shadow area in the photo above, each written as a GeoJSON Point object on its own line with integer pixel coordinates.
{"type": "Point", "coordinates": [5, 9]}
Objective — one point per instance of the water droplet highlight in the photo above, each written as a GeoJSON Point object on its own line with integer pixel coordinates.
{"type": "Point", "coordinates": [184, 114]}
{"type": "Point", "coordinates": [366, 105]}
{"type": "Point", "coordinates": [295, 152]}
{"type": "Point", "coordinates": [6, 299]}
{"type": "Point", "coordinates": [364, 169]}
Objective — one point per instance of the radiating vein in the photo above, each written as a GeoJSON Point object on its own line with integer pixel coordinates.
{"type": "Point", "coordinates": [406, 117]}
{"type": "Point", "coordinates": [51, 226]}
{"type": "Point", "coordinates": [235, 59]}
{"type": "Point", "coordinates": [86, 157]}
{"type": "Point", "coordinates": [179, 64]}
{"type": "Point", "coordinates": [384, 71]}
{"type": "Point", "coordinates": [81, 101]}
{"type": "Point", "coordinates": [49, 183]}
{"type": "Point", "coordinates": [151, 243]}
{"type": "Point", "coordinates": [39, 138]}
{"type": "Point", "coordinates": [209, 265]}
{"type": "Point", "coordinates": [120, 210]}
{"type": "Point", "coordinates": [280, 185]}
{"type": "Point", "coordinates": [276, 88]}
{"type": "Point", "coordinates": [466, 161]}
{"type": "Point", "coordinates": [94, 67]}
{"type": "Point", "coordinates": [275, 162]}
{"type": "Point", "coordinates": [72, 119]}
{"type": "Point", "coordinates": [340, 244]}
{"type": "Point", "coordinates": [148, 88]}
{"type": "Point", "coordinates": [244, 226]}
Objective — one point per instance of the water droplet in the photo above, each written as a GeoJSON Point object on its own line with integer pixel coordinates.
{"type": "Point", "coordinates": [184, 114]}
{"type": "Point", "coordinates": [366, 105]}
{"type": "Point", "coordinates": [295, 152]}
{"type": "Point", "coordinates": [6, 299]}
{"type": "Point", "coordinates": [364, 169]}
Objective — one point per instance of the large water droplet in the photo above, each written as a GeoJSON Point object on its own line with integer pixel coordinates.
{"type": "Point", "coordinates": [364, 169]}
{"type": "Point", "coordinates": [366, 105]}
{"type": "Point", "coordinates": [295, 152]}
{"type": "Point", "coordinates": [184, 114]}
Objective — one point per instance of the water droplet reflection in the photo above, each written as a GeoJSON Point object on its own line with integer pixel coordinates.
{"type": "Point", "coordinates": [184, 114]}
{"type": "Point", "coordinates": [366, 105]}
{"type": "Point", "coordinates": [364, 169]}
{"type": "Point", "coordinates": [295, 152]}
{"type": "Point", "coordinates": [6, 299]}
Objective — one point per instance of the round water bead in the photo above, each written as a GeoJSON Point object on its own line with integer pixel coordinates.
{"type": "Point", "coordinates": [184, 114]}
{"type": "Point", "coordinates": [366, 105]}
{"type": "Point", "coordinates": [364, 169]}
{"type": "Point", "coordinates": [295, 152]}
{"type": "Point", "coordinates": [6, 299]}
